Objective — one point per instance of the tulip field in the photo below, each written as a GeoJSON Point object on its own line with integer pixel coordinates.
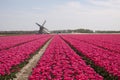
{"type": "Point", "coordinates": [67, 57]}
{"type": "Point", "coordinates": [14, 53]}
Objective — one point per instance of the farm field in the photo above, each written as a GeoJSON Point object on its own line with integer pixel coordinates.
{"type": "Point", "coordinates": [67, 56]}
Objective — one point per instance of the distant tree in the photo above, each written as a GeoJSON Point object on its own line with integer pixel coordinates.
{"type": "Point", "coordinates": [107, 31]}
{"type": "Point", "coordinates": [73, 31]}
{"type": "Point", "coordinates": [83, 31]}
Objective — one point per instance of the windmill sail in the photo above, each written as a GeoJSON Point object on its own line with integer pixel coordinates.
{"type": "Point", "coordinates": [44, 23]}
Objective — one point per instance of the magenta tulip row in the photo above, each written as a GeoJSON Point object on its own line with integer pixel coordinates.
{"type": "Point", "coordinates": [110, 42]}
{"type": "Point", "coordinates": [108, 38]}
{"type": "Point", "coordinates": [16, 55]}
{"type": "Point", "coordinates": [11, 41]}
{"type": "Point", "coordinates": [101, 57]}
{"type": "Point", "coordinates": [60, 62]}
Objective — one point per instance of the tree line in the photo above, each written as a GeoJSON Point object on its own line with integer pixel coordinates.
{"type": "Point", "coordinates": [60, 31]}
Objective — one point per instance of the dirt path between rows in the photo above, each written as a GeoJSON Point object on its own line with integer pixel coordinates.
{"type": "Point", "coordinates": [26, 70]}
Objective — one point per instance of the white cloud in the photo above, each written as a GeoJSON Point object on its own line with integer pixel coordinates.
{"type": "Point", "coordinates": [106, 3]}
{"type": "Point", "coordinates": [73, 4]}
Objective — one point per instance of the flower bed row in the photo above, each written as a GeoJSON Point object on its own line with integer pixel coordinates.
{"type": "Point", "coordinates": [14, 56]}
{"type": "Point", "coordinates": [60, 62]}
{"type": "Point", "coordinates": [103, 58]}
{"type": "Point", "coordinates": [104, 41]}
{"type": "Point", "coordinates": [12, 41]}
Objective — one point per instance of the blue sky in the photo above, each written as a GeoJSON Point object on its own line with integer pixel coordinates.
{"type": "Point", "coordinates": [60, 14]}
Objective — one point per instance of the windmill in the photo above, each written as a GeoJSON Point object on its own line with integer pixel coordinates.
{"type": "Point", "coordinates": [42, 29]}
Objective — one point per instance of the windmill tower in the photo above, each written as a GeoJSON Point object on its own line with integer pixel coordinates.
{"type": "Point", "coordinates": [42, 29]}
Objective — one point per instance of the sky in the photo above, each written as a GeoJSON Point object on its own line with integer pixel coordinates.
{"type": "Point", "coordinates": [59, 14]}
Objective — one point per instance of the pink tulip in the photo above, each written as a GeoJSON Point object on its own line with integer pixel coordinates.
{"type": "Point", "coordinates": [61, 62]}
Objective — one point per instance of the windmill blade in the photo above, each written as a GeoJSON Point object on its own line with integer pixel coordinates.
{"type": "Point", "coordinates": [38, 24]}
{"type": "Point", "coordinates": [45, 28]}
{"type": "Point", "coordinates": [46, 31]}
{"type": "Point", "coordinates": [44, 23]}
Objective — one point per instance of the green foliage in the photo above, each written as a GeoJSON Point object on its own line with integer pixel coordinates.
{"type": "Point", "coordinates": [73, 31]}
{"type": "Point", "coordinates": [83, 31]}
